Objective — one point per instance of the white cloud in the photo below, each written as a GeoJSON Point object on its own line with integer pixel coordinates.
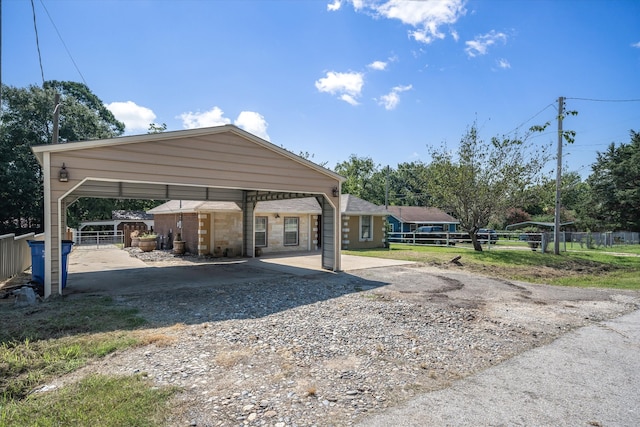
{"type": "Point", "coordinates": [392, 99]}
{"type": "Point", "coordinates": [250, 121]}
{"type": "Point", "coordinates": [213, 117]}
{"type": "Point", "coordinates": [334, 6]}
{"type": "Point", "coordinates": [253, 123]}
{"type": "Point", "coordinates": [455, 35]}
{"type": "Point", "coordinates": [349, 99]}
{"type": "Point", "coordinates": [134, 117]}
{"type": "Point", "coordinates": [348, 86]}
{"type": "Point", "coordinates": [503, 63]}
{"type": "Point", "coordinates": [480, 44]}
{"type": "Point", "coordinates": [378, 65]}
{"type": "Point", "coordinates": [636, 45]}
{"type": "Point", "coordinates": [426, 16]}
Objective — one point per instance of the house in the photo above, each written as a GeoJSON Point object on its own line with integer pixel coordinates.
{"type": "Point", "coordinates": [199, 224]}
{"type": "Point", "coordinates": [286, 225]}
{"type": "Point", "coordinates": [363, 223]}
{"type": "Point", "coordinates": [405, 219]}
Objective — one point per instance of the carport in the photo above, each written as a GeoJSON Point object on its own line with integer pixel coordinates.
{"type": "Point", "coordinates": [221, 163]}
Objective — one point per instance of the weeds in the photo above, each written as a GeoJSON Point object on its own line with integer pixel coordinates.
{"type": "Point", "coordinates": [59, 336]}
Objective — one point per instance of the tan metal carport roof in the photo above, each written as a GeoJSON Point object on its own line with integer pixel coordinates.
{"type": "Point", "coordinates": [221, 163]}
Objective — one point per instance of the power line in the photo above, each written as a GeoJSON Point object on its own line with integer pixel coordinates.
{"type": "Point", "coordinates": [529, 119]}
{"type": "Point", "coordinates": [605, 100]}
{"type": "Point", "coordinates": [35, 27]}
{"type": "Point", "coordinates": [63, 43]}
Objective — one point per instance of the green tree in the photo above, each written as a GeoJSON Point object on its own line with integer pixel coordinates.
{"type": "Point", "coordinates": [540, 202]}
{"type": "Point", "coordinates": [516, 215]}
{"type": "Point", "coordinates": [408, 184]}
{"type": "Point", "coordinates": [363, 178]}
{"type": "Point", "coordinates": [27, 120]}
{"type": "Point", "coordinates": [157, 128]}
{"type": "Point", "coordinates": [90, 209]}
{"type": "Point", "coordinates": [614, 184]}
{"type": "Point", "coordinates": [483, 179]}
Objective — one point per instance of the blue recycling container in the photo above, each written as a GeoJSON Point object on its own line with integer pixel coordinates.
{"type": "Point", "coordinates": [37, 260]}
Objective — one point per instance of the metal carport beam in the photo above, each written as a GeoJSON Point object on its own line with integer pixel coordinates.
{"type": "Point", "coordinates": [266, 196]}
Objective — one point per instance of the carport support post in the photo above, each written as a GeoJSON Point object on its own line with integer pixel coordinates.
{"type": "Point", "coordinates": [46, 167]}
{"type": "Point", "coordinates": [53, 223]}
{"type": "Point", "coordinates": [248, 236]}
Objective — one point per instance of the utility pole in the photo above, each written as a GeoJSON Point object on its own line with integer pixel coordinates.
{"type": "Point", "coordinates": [556, 224]}
{"type": "Point", "coordinates": [56, 118]}
{"type": "Point", "coordinates": [386, 190]}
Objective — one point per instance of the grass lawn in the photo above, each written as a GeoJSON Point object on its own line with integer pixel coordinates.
{"type": "Point", "coordinates": [617, 267]}
{"type": "Point", "coordinates": [58, 336]}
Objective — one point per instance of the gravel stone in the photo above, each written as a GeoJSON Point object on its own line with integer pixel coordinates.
{"type": "Point", "coordinates": [330, 349]}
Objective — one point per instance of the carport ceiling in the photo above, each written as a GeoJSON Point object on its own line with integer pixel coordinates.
{"type": "Point", "coordinates": [138, 190]}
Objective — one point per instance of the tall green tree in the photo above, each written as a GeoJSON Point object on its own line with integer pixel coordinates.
{"type": "Point", "coordinates": [363, 178]}
{"type": "Point", "coordinates": [27, 120]}
{"type": "Point", "coordinates": [614, 199]}
{"type": "Point", "coordinates": [483, 179]}
{"type": "Point", "coordinates": [408, 184]}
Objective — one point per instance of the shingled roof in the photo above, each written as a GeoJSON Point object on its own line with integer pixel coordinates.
{"type": "Point", "coordinates": [305, 205]}
{"type": "Point", "coordinates": [132, 215]}
{"type": "Point", "coordinates": [352, 205]}
{"type": "Point", "coordinates": [187, 206]}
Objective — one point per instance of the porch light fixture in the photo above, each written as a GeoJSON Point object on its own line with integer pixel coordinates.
{"type": "Point", "coordinates": [334, 191]}
{"type": "Point", "coordinates": [63, 174]}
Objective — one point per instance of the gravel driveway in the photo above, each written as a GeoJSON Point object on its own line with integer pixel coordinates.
{"type": "Point", "coordinates": [323, 349]}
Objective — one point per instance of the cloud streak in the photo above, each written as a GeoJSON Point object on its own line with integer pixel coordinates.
{"type": "Point", "coordinates": [391, 100]}
{"type": "Point", "coordinates": [480, 45]}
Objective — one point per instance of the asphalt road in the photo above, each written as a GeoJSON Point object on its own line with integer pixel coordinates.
{"type": "Point", "coordinates": [588, 377]}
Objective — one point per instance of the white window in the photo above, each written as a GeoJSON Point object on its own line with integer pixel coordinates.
{"type": "Point", "coordinates": [366, 228]}
{"type": "Point", "coordinates": [261, 231]}
{"type": "Point", "coordinates": [290, 231]}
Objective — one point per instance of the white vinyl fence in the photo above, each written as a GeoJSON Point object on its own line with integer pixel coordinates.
{"type": "Point", "coordinates": [521, 240]}
{"type": "Point", "coordinates": [97, 238]}
{"type": "Point", "coordinates": [15, 254]}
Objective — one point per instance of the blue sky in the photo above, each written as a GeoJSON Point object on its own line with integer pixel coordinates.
{"type": "Point", "coordinates": [384, 79]}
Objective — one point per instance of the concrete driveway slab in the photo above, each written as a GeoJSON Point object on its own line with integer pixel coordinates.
{"type": "Point", "coordinates": [588, 377]}
{"type": "Point", "coordinates": [113, 270]}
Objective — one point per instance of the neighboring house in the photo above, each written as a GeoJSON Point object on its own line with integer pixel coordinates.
{"type": "Point", "coordinates": [405, 219]}
{"type": "Point", "coordinates": [279, 225]}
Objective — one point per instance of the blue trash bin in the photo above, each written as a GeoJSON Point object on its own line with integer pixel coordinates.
{"type": "Point", "coordinates": [37, 260]}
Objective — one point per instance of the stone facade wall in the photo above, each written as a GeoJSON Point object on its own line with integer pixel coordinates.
{"type": "Point", "coordinates": [204, 233]}
{"type": "Point", "coordinates": [275, 234]}
{"type": "Point", "coordinates": [227, 233]}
